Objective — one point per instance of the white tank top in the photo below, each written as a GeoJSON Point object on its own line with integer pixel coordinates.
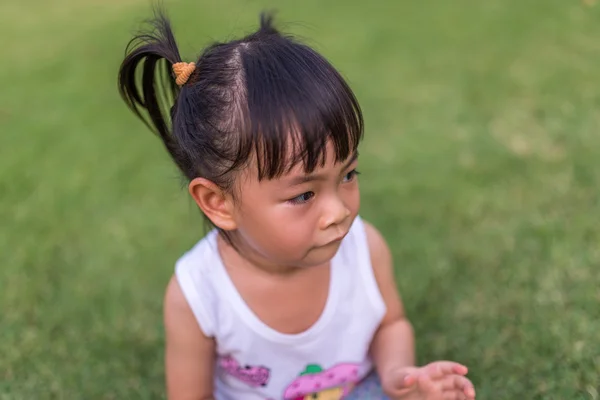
{"type": "Point", "coordinates": [255, 361]}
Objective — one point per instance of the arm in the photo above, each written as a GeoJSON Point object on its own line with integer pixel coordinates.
{"type": "Point", "coordinates": [393, 344]}
{"type": "Point", "coordinates": [189, 353]}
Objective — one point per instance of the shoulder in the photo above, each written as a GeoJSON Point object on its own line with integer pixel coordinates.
{"type": "Point", "coordinates": [381, 256]}
{"type": "Point", "coordinates": [183, 330]}
{"type": "Point", "coordinates": [192, 294]}
{"type": "Point", "coordinates": [175, 303]}
{"type": "Point", "coordinates": [177, 311]}
{"type": "Point", "coordinates": [383, 270]}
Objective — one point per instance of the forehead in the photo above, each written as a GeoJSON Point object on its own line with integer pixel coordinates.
{"type": "Point", "coordinates": [297, 166]}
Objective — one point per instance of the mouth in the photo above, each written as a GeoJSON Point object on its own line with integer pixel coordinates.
{"type": "Point", "coordinates": [337, 239]}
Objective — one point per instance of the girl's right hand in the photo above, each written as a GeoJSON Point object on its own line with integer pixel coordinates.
{"type": "Point", "coordinates": [440, 380]}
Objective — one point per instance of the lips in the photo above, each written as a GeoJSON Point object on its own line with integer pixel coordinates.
{"type": "Point", "coordinates": [337, 239]}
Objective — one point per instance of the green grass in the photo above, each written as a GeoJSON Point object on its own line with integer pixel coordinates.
{"type": "Point", "coordinates": [480, 166]}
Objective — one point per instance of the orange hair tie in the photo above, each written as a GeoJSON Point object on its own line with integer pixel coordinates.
{"type": "Point", "coordinates": [182, 71]}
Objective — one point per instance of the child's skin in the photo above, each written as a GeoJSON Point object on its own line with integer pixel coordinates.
{"type": "Point", "coordinates": [288, 229]}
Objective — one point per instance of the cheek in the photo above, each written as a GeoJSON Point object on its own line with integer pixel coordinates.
{"type": "Point", "coordinates": [292, 225]}
{"type": "Point", "coordinates": [280, 230]}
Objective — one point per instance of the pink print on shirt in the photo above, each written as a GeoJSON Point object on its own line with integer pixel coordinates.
{"type": "Point", "coordinates": [315, 383]}
{"type": "Point", "coordinates": [252, 375]}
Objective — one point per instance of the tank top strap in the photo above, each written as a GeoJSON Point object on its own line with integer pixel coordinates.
{"type": "Point", "coordinates": [195, 274]}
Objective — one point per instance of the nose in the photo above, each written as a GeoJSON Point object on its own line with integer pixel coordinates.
{"type": "Point", "coordinates": [335, 212]}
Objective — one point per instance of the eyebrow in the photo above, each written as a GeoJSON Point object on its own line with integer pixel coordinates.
{"type": "Point", "coordinates": [298, 180]}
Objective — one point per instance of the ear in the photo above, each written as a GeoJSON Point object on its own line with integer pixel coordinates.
{"type": "Point", "coordinates": [214, 203]}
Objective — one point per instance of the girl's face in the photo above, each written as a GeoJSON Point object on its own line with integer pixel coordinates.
{"type": "Point", "coordinates": [299, 219]}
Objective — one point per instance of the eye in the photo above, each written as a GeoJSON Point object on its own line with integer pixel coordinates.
{"type": "Point", "coordinates": [349, 177]}
{"type": "Point", "coordinates": [303, 198]}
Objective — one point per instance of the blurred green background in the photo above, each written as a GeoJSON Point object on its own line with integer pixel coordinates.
{"type": "Point", "coordinates": [480, 166]}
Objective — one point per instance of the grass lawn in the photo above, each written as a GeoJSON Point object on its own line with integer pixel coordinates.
{"type": "Point", "coordinates": [480, 166]}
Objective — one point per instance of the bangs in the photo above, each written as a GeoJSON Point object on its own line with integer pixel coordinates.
{"type": "Point", "coordinates": [296, 103]}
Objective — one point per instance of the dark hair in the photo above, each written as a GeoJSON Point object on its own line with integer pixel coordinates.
{"type": "Point", "coordinates": [258, 96]}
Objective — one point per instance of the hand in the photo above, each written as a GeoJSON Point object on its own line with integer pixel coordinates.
{"type": "Point", "coordinates": [440, 380]}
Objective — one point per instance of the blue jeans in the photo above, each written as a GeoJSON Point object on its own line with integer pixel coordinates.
{"type": "Point", "coordinates": [368, 389]}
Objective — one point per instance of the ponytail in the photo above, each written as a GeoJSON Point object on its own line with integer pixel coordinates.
{"type": "Point", "coordinates": [155, 93]}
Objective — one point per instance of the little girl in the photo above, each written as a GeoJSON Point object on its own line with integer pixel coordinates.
{"type": "Point", "coordinates": [291, 295]}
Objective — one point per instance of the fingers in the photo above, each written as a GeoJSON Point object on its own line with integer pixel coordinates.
{"type": "Point", "coordinates": [439, 369]}
{"type": "Point", "coordinates": [409, 380]}
{"type": "Point", "coordinates": [465, 386]}
{"type": "Point", "coordinates": [460, 385]}
{"type": "Point", "coordinates": [453, 395]}
{"type": "Point", "coordinates": [425, 383]}
{"type": "Point", "coordinates": [469, 392]}
{"type": "Point", "coordinates": [401, 378]}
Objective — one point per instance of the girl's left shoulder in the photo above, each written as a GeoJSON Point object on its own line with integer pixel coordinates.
{"type": "Point", "coordinates": [383, 271]}
{"type": "Point", "coordinates": [381, 256]}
